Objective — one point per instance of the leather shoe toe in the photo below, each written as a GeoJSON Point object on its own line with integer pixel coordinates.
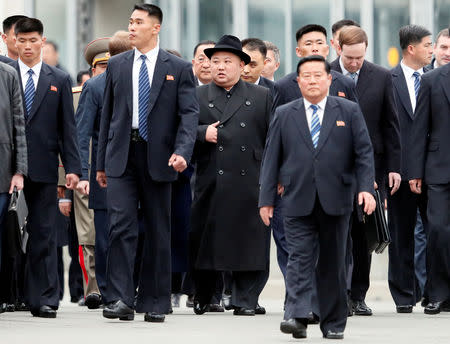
{"type": "Point", "coordinates": [199, 308]}
{"type": "Point", "coordinates": [154, 317]}
{"type": "Point", "coordinates": [243, 311]}
{"type": "Point", "coordinates": [259, 309]}
{"type": "Point", "coordinates": [294, 327]}
{"type": "Point", "coordinates": [334, 335]}
{"type": "Point", "coordinates": [45, 312]}
{"type": "Point", "coordinates": [93, 301]}
{"type": "Point", "coordinates": [360, 308]}
{"type": "Point", "coordinates": [119, 310]}
{"type": "Point", "coordinates": [214, 307]}
{"type": "Point", "coordinates": [433, 308]}
{"type": "Point", "coordinates": [404, 309]}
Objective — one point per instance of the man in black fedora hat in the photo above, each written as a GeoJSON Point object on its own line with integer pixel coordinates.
{"type": "Point", "coordinates": [226, 233]}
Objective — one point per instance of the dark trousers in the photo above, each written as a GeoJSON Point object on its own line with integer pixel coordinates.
{"type": "Point", "coordinates": [402, 214]}
{"type": "Point", "coordinates": [420, 252]}
{"type": "Point", "coordinates": [361, 261]}
{"type": "Point", "coordinates": [245, 286]}
{"type": "Point", "coordinates": [302, 233]}
{"type": "Point", "coordinates": [278, 235]}
{"type": "Point", "coordinates": [4, 200]}
{"type": "Point", "coordinates": [41, 277]}
{"type": "Point", "coordinates": [75, 274]}
{"type": "Point", "coordinates": [438, 246]}
{"type": "Point", "coordinates": [101, 247]}
{"type": "Point", "coordinates": [125, 193]}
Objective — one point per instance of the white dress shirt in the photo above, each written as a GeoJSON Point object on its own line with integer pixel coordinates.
{"type": "Point", "coordinates": [152, 55]}
{"type": "Point", "coordinates": [309, 111]}
{"type": "Point", "coordinates": [410, 79]}
{"type": "Point", "coordinates": [24, 73]}
{"type": "Point", "coordinates": [347, 73]}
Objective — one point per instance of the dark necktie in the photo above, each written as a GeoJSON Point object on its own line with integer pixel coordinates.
{"type": "Point", "coordinates": [30, 91]}
{"type": "Point", "coordinates": [416, 75]}
{"type": "Point", "coordinates": [315, 125]}
{"type": "Point", "coordinates": [144, 92]}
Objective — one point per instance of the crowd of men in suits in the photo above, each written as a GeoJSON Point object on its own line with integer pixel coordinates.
{"type": "Point", "coordinates": [174, 174]}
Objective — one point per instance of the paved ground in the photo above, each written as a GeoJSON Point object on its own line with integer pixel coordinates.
{"type": "Point", "coordinates": [76, 324]}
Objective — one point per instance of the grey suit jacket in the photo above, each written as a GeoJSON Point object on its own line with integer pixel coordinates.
{"type": "Point", "coordinates": [13, 146]}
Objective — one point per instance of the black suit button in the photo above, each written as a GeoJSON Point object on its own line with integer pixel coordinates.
{"type": "Point", "coordinates": [220, 148]}
{"type": "Point", "coordinates": [220, 172]}
{"type": "Point", "coordinates": [243, 173]}
{"type": "Point", "coordinates": [248, 103]}
{"type": "Point", "coordinates": [242, 124]}
{"type": "Point", "coordinates": [211, 105]}
{"type": "Point", "coordinates": [243, 148]}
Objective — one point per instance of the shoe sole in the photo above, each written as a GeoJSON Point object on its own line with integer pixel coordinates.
{"type": "Point", "coordinates": [128, 317]}
{"type": "Point", "coordinates": [148, 319]}
{"type": "Point", "coordinates": [431, 312]}
{"type": "Point", "coordinates": [363, 314]}
{"type": "Point", "coordinates": [295, 332]}
{"type": "Point", "coordinates": [47, 316]}
{"type": "Point", "coordinates": [334, 337]}
{"type": "Point", "coordinates": [92, 304]}
{"type": "Point", "coordinates": [404, 311]}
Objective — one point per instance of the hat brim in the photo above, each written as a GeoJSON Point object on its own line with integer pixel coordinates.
{"type": "Point", "coordinates": [209, 52]}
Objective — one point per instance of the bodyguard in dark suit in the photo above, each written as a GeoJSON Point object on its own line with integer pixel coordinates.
{"type": "Point", "coordinates": [315, 148]}
{"type": "Point", "coordinates": [377, 102]}
{"type": "Point", "coordinates": [429, 162]}
{"type": "Point", "coordinates": [147, 134]}
{"type": "Point", "coordinates": [416, 45]}
{"type": "Point", "coordinates": [50, 130]}
{"type": "Point", "coordinates": [227, 234]}
{"type": "Point", "coordinates": [5, 59]}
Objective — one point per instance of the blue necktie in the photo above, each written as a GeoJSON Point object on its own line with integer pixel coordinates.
{"type": "Point", "coordinates": [144, 92]}
{"type": "Point", "coordinates": [29, 92]}
{"type": "Point", "coordinates": [416, 75]}
{"type": "Point", "coordinates": [315, 125]}
{"type": "Point", "coordinates": [354, 76]}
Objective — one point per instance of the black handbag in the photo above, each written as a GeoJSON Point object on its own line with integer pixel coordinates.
{"type": "Point", "coordinates": [375, 227]}
{"type": "Point", "coordinates": [16, 221]}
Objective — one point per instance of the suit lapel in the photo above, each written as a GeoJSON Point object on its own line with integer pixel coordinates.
{"type": "Point", "coordinates": [446, 81]}
{"type": "Point", "coordinates": [302, 123]}
{"type": "Point", "coordinates": [328, 122]}
{"type": "Point", "coordinates": [126, 75]}
{"type": "Point", "coordinates": [238, 97]}
{"type": "Point", "coordinates": [159, 76]}
{"type": "Point", "coordinates": [399, 81]}
{"type": "Point", "coordinates": [364, 79]}
{"type": "Point", "coordinates": [43, 87]}
{"type": "Point", "coordinates": [216, 100]}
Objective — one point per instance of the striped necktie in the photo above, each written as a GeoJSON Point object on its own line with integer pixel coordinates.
{"type": "Point", "coordinates": [315, 125]}
{"type": "Point", "coordinates": [416, 75]}
{"type": "Point", "coordinates": [30, 91]}
{"type": "Point", "coordinates": [144, 92]}
{"type": "Point", "coordinates": [354, 77]}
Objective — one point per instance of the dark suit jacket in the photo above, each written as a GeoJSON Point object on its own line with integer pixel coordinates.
{"type": "Point", "coordinates": [172, 115]}
{"type": "Point", "coordinates": [344, 151]}
{"type": "Point", "coordinates": [88, 125]}
{"type": "Point", "coordinates": [288, 90]}
{"type": "Point", "coordinates": [50, 127]}
{"type": "Point", "coordinates": [5, 59]}
{"type": "Point", "coordinates": [429, 157]}
{"type": "Point", "coordinates": [405, 116]}
{"type": "Point", "coordinates": [377, 102]}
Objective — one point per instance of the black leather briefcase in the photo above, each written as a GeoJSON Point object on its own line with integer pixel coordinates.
{"type": "Point", "coordinates": [375, 227]}
{"type": "Point", "coordinates": [16, 221]}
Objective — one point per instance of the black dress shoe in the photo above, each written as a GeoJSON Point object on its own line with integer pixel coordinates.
{"type": "Point", "coordinates": [243, 311]}
{"type": "Point", "coordinates": [93, 301]}
{"type": "Point", "coordinates": [433, 308]}
{"type": "Point", "coordinates": [214, 307]}
{"type": "Point", "coordinates": [333, 335]}
{"type": "Point", "coordinates": [199, 308]}
{"type": "Point", "coordinates": [119, 310]}
{"type": "Point", "coordinates": [190, 301]}
{"type": "Point", "coordinates": [404, 309]}
{"type": "Point", "coordinates": [10, 307]}
{"type": "Point", "coordinates": [226, 302]}
{"type": "Point", "coordinates": [360, 308]}
{"type": "Point", "coordinates": [313, 319]}
{"type": "Point", "coordinates": [22, 307]}
{"type": "Point", "coordinates": [445, 306]}
{"type": "Point", "coordinates": [259, 309]}
{"type": "Point", "coordinates": [44, 312]}
{"type": "Point", "coordinates": [295, 327]}
{"type": "Point", "coordinates": [154, 317]}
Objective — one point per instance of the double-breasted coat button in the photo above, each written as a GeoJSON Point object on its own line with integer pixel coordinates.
{"type": "Point", "coordinates": [243, 148]}
{"type": "Point", "coordinates": [220, 172]}
{"type": "Point", "coordinates": [211, 105]}
{"type": "Point", "coordinates": [221, 126]}
{"type": "Point", "coordinates": [242, 172]}
{"type": "Point", "coordinates": [220, 148]}
{"type": "Point", "coordinates": [242, 125]}
{"type": "Point", "coordinates": [248, 103]}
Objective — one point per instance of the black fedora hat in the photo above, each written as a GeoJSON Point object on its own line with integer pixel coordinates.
{"type": "Point", "coordinates": [229, 43]}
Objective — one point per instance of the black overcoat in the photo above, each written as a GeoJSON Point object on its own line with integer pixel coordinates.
{"type": "Point", "coordinates": [227, 232]}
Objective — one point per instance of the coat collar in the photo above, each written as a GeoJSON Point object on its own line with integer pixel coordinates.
{"type": "Point", "coordinates": [217, 99]}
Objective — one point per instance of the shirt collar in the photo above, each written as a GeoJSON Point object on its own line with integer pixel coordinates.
{"type": "Point", "coordinates": [152, 54]}
{"type": "Point", "coordinates": [320, 104]}
{"type": "Point", "coordinates": [345, 71]}
{"type": "Point", "coordinates": [24, 68]}
{"type": "Point", "coordinates": [408, 71]}
{"type": "Point", "coordinates": [257, 81]}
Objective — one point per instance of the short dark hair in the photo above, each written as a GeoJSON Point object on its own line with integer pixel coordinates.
{"type": "Point", "coordinates": [9, 22]}
{"type": "Point", "coordinates": [309, 28]}
{"type": "Point", "coordinates": [255, 44]}
{"type": "Point", "coordinates": [341, 23]}
{"type": "Point", "coordinates": [412, 34]}
{"type": "Point", "coordinates": [311, 59]}
{"type": "Point", "coordinates": [152, 10]}
{"type": "Point", "coordinates": [202, 43]}
{"type": "Point", "coordinates": [53, 44]}
{"type": "Point", "coordinates": [27, 25]}
{"type": "Point", "coordinates": [80, 75]}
